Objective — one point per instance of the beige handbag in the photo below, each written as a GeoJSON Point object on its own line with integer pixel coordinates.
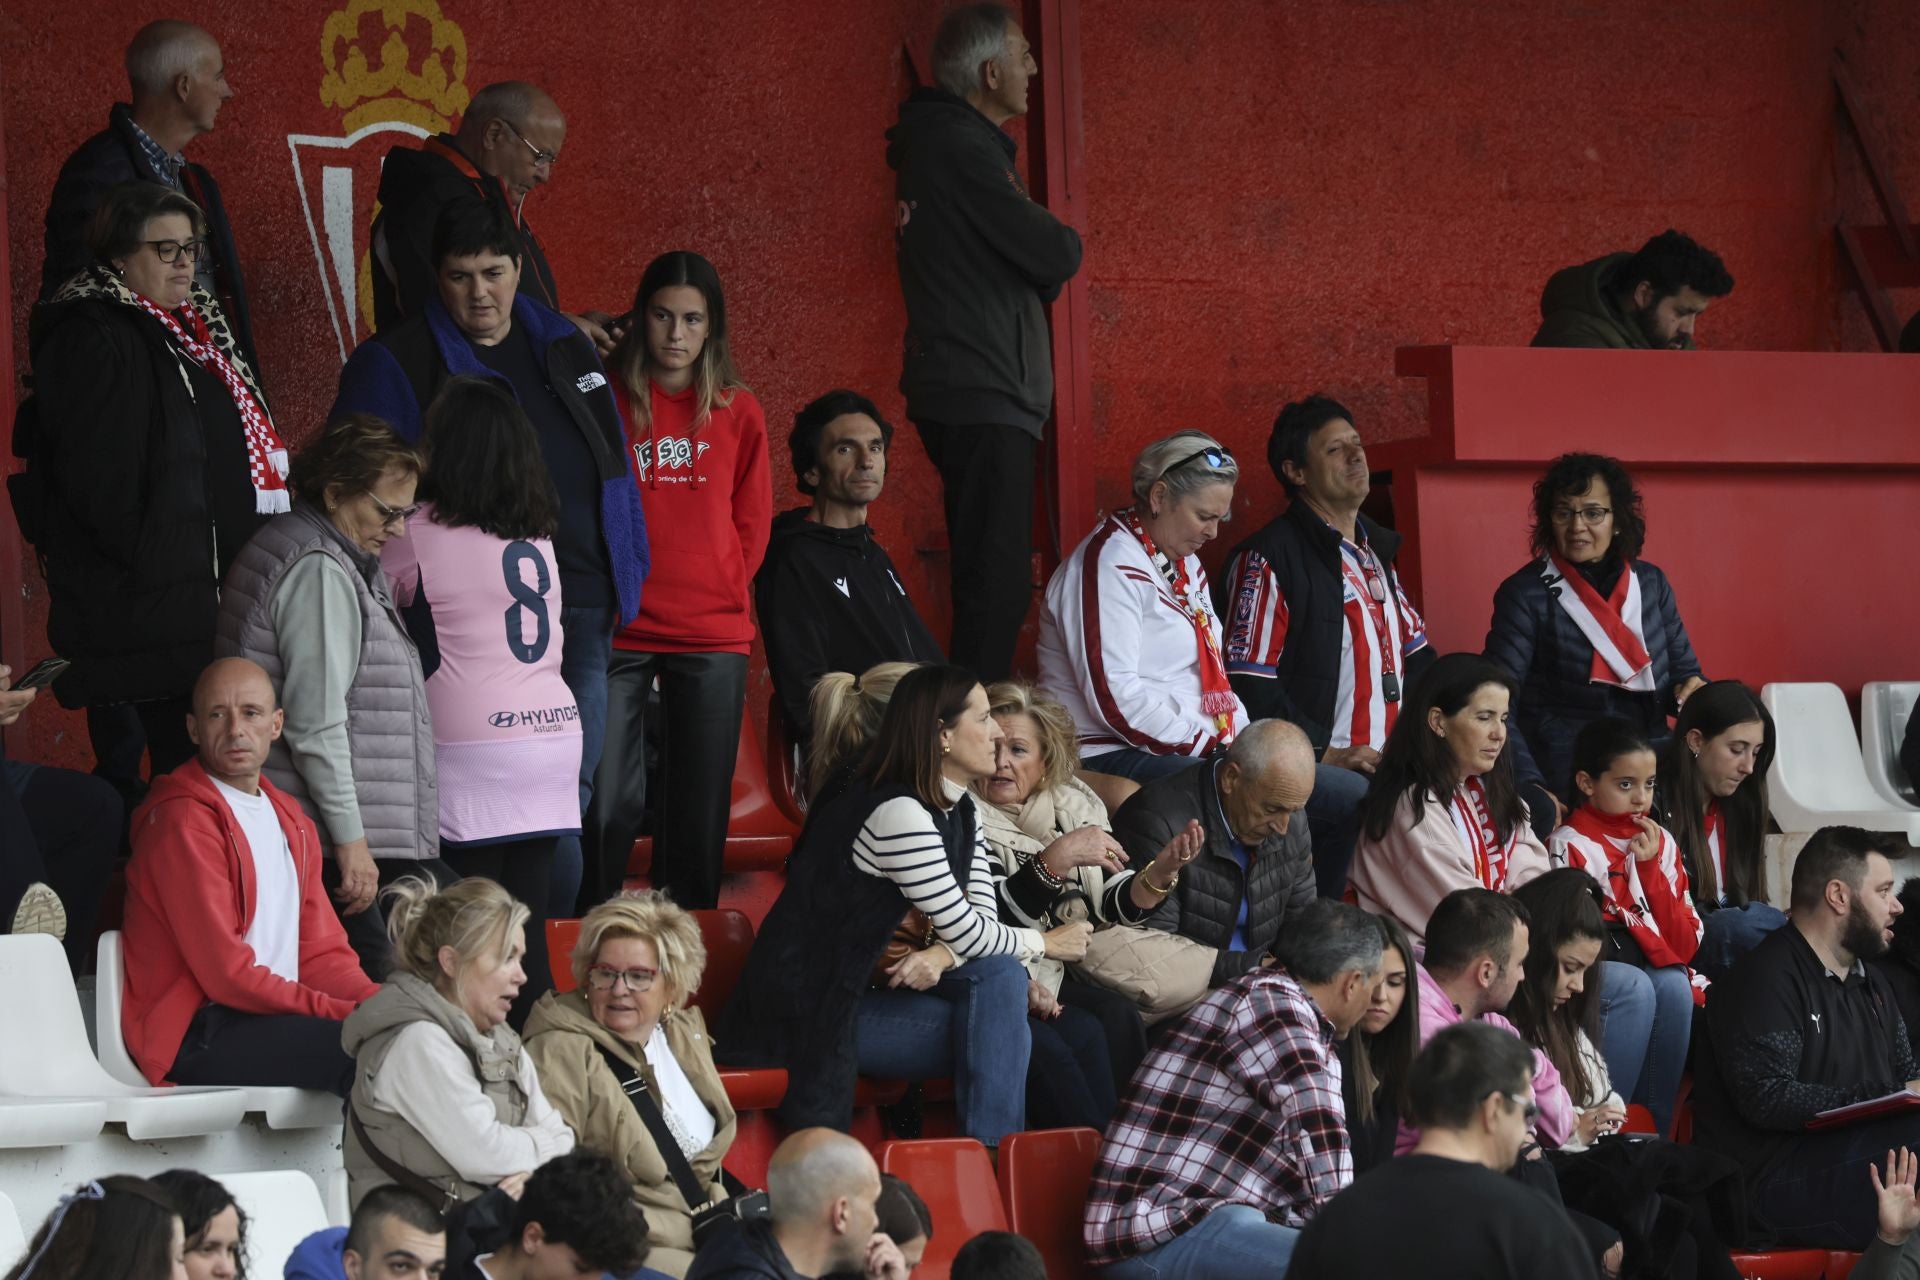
{"type": "Point", "coordinates": [1163, 973]}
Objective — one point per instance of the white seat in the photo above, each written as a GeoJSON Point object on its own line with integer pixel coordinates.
{"type": "Point", "coordinates": [283, 1208]}
{"type": "Point", "coordinates": [284, 1108]}
{"type": "Point", "coordinates": [50, 1122]}
{"type": "Point", "coordinates": [338, 1199]}
{"type": "Point", "coordinates": [13, 1240]}
{"type": "Point", "coordinates": [1885, 708]}
{"type": "Point", "coordinates": [1818, 779]}
{"type": "Point", "coordinates": [54, 1060]}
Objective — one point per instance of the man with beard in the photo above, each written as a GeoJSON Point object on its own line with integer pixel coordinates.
{"type": "Point", "coordinates": [1803, 1026]}
{"type": "Point", "coordinates": [1647, 300]}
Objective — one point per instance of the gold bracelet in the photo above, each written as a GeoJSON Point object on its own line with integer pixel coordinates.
{"type": "Point", "coordinates": [1156, 889]}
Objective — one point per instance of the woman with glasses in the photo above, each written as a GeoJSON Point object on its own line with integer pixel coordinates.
{"type": "Point", "coordinates": [1589, 628]}
{"type": "Point", "coordinates": [636, 965]}
{"type": "Point", "coordinates": [1129, 643]}
{"type": "Point", "coordinates": [307, 600]}
{"type": "Point", "coordinates": [152, 458]}
{"type": "Point", "coordinates": [506, 729]}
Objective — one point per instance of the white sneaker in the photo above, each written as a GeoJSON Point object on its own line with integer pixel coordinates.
{"type": "Point", "coordinates": [40, 912]}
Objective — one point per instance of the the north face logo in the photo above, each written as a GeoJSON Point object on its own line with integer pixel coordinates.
{"type": "Point", "coordinates": [589, 381]}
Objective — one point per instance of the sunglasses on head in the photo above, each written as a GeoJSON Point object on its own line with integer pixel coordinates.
{"type": "Point", "coordinates": [1216, 457]}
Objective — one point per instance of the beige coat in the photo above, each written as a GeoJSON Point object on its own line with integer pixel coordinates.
{"type": "Point", "coordinates": [1407, 872]}
{"type": "Point", "coordinates": [1016, 836]}
{"type": "Point", "coordinates": [562, 1036]}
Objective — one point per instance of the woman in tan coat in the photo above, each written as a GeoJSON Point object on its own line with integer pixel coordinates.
{"type": "Point", "coordinates": [638, 960]}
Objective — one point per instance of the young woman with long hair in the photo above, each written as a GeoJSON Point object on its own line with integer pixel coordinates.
{"type": "Point", "coordinates": [214, 1224]}
{"type": "Point", "coordinates": [1377, 1055]}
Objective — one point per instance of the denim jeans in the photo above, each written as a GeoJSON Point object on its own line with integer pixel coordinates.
{"type": "Point", "coordinates": [1142, 766]}
{"type": "Point", "coordinates": [1233, 1242]}
{"type": "Point", "coordinates": [1333, 820]}
{"type": "Point", "coordinates": [1731, 932]}
{"type": "Point", "coordinates": [1646, 1027]}
{"type": "Point", "coordinates": [972, 1024]}
{"type": "Point", "coordinates": [586, 638]}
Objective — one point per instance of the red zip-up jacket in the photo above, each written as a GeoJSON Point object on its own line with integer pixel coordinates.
{"type": "Point", "coordinates": [190, 899]}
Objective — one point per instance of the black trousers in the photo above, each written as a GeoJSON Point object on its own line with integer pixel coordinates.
{"type": "Point", "coordinates": [524, 868]}
{"type": "Point", "coordinates": [165, 723]}
{"type": "Point", "coordinates": [702, 697]}
{"type": "Point", "coordinates": [1120, 1020]}
{"type": "Point", "coordinates": [986, 473]}
{"type": "Point", "coordinates": [292, 1050]}
{"type": "Point", "coordinates": [62, 829]}
{"type": "Point", "coordinates": [1069, 1081]}
{"type": "Point", "coordinates": [367, 930]}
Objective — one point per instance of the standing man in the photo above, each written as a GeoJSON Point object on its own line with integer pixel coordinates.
{"type": "Point", "coordinates": [1320, 629]}
{"type": "Point", "coordinates": [1648, 300]}
{"type": "Point", "coordinates": [978, 258]}
{"type": "Point", "coordinates": [827, 594]}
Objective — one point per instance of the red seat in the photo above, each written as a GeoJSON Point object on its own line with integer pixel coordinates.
{"type": "Point", "coordinates": [1639, 1120]}
{"type": "Point", "coordinates": [955, 1178]}
{"type": "Point", "coordinates": [1043, 1181]}
{"type": "Point", "coordinates": [1841, 1264]}
{"type": "Point", "coordinates": [1683, 1104]}
{"type": "Point", "coordinates": [783, 772]}
{"type": "Point", "coordinates": [1783, 1264]}
{"type": "Point", "coordinates": [759, 832]}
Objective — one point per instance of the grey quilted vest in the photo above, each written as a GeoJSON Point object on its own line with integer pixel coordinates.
{"type": "Point", "coordinates": [389, 730]}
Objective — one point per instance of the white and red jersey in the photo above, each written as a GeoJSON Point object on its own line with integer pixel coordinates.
{"type": "Point", "coordinates": [1382, 629]}
{"type": "Point", "coordinates": [1650, 898]}
{"type": "Point", "coordinates": [1120, 653]}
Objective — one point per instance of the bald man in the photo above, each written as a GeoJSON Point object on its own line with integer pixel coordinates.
{"type": "Point", "coordinates": [238, 971]}
{"type": "Point", "coordinates": [178, 80]}
{"type": "Point", "coordinates": [1254, 871]}
{"type": "Point", "coordinates": [821, 1189]}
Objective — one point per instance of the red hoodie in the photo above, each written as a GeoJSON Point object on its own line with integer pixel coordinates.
{"type": "Point", "coordinates": [1650, 898]}
{"type": "Point", "coordinates": [709, 505]}
{"type": "Point", "coordinates": [190, 899]}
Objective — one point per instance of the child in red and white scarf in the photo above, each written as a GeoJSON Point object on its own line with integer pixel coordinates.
{"type": "Point", "coordinates": [1613, 837]}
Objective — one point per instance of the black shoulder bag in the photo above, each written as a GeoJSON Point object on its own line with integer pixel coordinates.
{"type": "Point", "coordinates": [709, 1219]}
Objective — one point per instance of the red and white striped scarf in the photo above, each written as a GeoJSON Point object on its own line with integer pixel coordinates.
{"type": "Point", "coordinates": [1613, 625]}
{"type": "Point", "coordinates": [1473, 820]}
{"type": "Point", "coordinates": [1216, 695]}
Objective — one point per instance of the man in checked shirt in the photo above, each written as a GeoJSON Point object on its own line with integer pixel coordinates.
{"type": "Point", "coordinates": [1233, 1134]}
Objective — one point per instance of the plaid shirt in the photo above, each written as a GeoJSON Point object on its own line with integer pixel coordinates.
{"type": "Point", "coordinates": [166, 166]}
{"type": "Point", "coordinates": [1239, 1105]}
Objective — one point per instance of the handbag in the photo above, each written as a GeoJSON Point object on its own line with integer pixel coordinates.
{"type": "Point", "coordinates": [1163, 973]}
{"type": "Point", "coordinates": [913, 933]}
{"type": "Point", "coordinates": [709, 1217]}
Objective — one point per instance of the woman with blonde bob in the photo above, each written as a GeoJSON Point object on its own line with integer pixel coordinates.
{"type": "Point", "coordinates": [445, 1100]}
{"type": "Point", "coordinates": [638, 961]}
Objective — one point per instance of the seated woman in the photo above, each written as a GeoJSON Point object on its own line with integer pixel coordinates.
{"type": "Point", "coordinates": [213, 1223]}
{"type": "Point", "coordinates": [1442, 812]}
{"type": "Point", "coordinates": [1556, 1010]}
{"type": "Point", "coordinates": [445, 1100]}
{"type": "Point", "coordinates": [306, 599]}
{"type": "Point", "coordinates": [1713, 798]}
{"type": "Point", "coordinates": [1652, 931]}
{"type": "Point", "coordinates": [845, 712]}
{"type": "Point", "coordinates": [117, 1226]}
{"type": "Point", "coordinates": [1588, 628]}
{"type": "Point", "coordinates": [903, 835]}
{"type": "Point", "coordinates": [1378, 1053]}
{"type": "Point", "coordinates": [1129, 642]}
{"type": "Point", "coordinates": [638, 960]}
{"type": "Point", "coordinates": [902, 1217]}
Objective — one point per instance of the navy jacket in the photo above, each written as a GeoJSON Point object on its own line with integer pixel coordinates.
{"type": "Point", "coordinates": [396, 373]}
{"type": "Point", "coordinates": [1532, 637]}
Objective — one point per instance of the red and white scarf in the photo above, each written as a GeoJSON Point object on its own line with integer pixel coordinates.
{"type": "Point", "coordinates": [1613, 626]}
{"type": "Point", "coordinates": [1216, 695]}
{"type": "Point", "coordinates": [1614, 833]}
{"type": "Point", "coordinates": [1473, 820]}
{"type": "Point", "coordinates": [266, 453]}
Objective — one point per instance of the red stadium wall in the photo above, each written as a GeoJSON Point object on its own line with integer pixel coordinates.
{"type": "Point", "coordinates": [1280, 193]}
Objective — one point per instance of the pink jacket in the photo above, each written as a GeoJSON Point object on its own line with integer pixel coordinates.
{"type": "Point", "coordinates": [1406, 873]}
{"type": "Point", "coordinates": [1555, 1125]}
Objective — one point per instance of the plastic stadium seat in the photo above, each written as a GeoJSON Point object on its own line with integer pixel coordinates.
{"type": "Point", "coordinates": [283, 1208]}
{"type": "Point", "coordinates": [1840, 1264]}
{"type": "Point", "coordinates": [1682, 1108]}
{"type": "Point", "coordinates": [55, 1061]}
{"type": "Point", "coordinates": [286, 1108]}
{"type": "Point", "coordinates": [1639, 1120]}
{"type": "Point", "coordinates": [13, 1239]}
{"type": "Point", "coordinates": [561, 935]}
{"type": "Point", "coordinates": [783, 766]}
{"type": "Point", "coordinates": [1885, 708]}
{"type": "Point", "coordinates": [50, 1122]}
{"type": "Point", "coordinates": [955, 1178]}
{"type": "Point", "coordinates": [759, 832]}
{"type": "Point", "coordinates": [1818, 778]}
{"type": "Point", "coordinates": [1783, 1264]}
{"type": "Point", "coordinates": [1043, 1182]}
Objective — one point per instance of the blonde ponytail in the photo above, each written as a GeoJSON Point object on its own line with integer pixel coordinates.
{"type": "Point", "coordinates": [847, 711]}
{"type": "Point", "coordinates": [475, 917]}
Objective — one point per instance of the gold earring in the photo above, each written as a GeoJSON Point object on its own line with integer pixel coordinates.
{"type": "Point", "coordinates": [946, 748]}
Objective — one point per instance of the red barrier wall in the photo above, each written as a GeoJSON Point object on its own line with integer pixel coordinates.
{"type": "Point", "coordinates": [1279, 194]}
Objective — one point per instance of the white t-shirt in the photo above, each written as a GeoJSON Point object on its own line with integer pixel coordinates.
{"type": "Point", "coordinates": [687, 1117]}
{"type": "Point", "coordinates": [274, 934]}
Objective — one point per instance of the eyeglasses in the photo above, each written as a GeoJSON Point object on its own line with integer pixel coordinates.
{"type": "Point", "coordinates": [1529, 1110]}
{"type": "Point", "coordinates": [1216, 458]}
{"type": "Point", "coordinates": [1586, 515]}
{"type": "Point", "coordinates": [540, 155]}
{"type": "Point", "coordinates": [171, 252]}
{"type": "Point", "coordinates": [391, 516]}
{"type": "Point", "coordinates": [639, 981]}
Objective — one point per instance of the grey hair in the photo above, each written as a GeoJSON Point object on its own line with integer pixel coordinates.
{"type": "Point", "coordinates": [1331, 938]}
{"type": "Point", "coordinates": [1266, 742]}
{"type": "Point", "coordinates": [971, 35]}
{"type": "Point", "coordinates": [511, 100]}
{"type": "Point", "coordinates": [1154, 460]}
{"type": "Point", "coordinates": [163, 51]}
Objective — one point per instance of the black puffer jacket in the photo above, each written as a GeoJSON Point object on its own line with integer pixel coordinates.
{"type": "Point", "coordinates": [1277, 885]}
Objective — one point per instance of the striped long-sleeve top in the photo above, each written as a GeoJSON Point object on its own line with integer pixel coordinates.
{"type": "Point", "coordinates": [900, 843]}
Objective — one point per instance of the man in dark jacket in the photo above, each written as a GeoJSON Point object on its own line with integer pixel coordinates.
{"type": "Point", "coordinates": [977, 259]}
{"type": "Point", "coordinates": [1320, 629]}
{"type": "Point", "coordinates": [1256, 871]}
{"type": "Point", "coordinates": [179, 82]}
{"type": "Point", "coordinates": [574, 1217]}
{"type": "Point", "coordinates": [1803, 1026]}
{"type": "Point", "coordinates": [827, 594]}
{"type": "Point", "coordinates": [821, 1190]}
{"type": "Point", "coordinates": [1644, 300]}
